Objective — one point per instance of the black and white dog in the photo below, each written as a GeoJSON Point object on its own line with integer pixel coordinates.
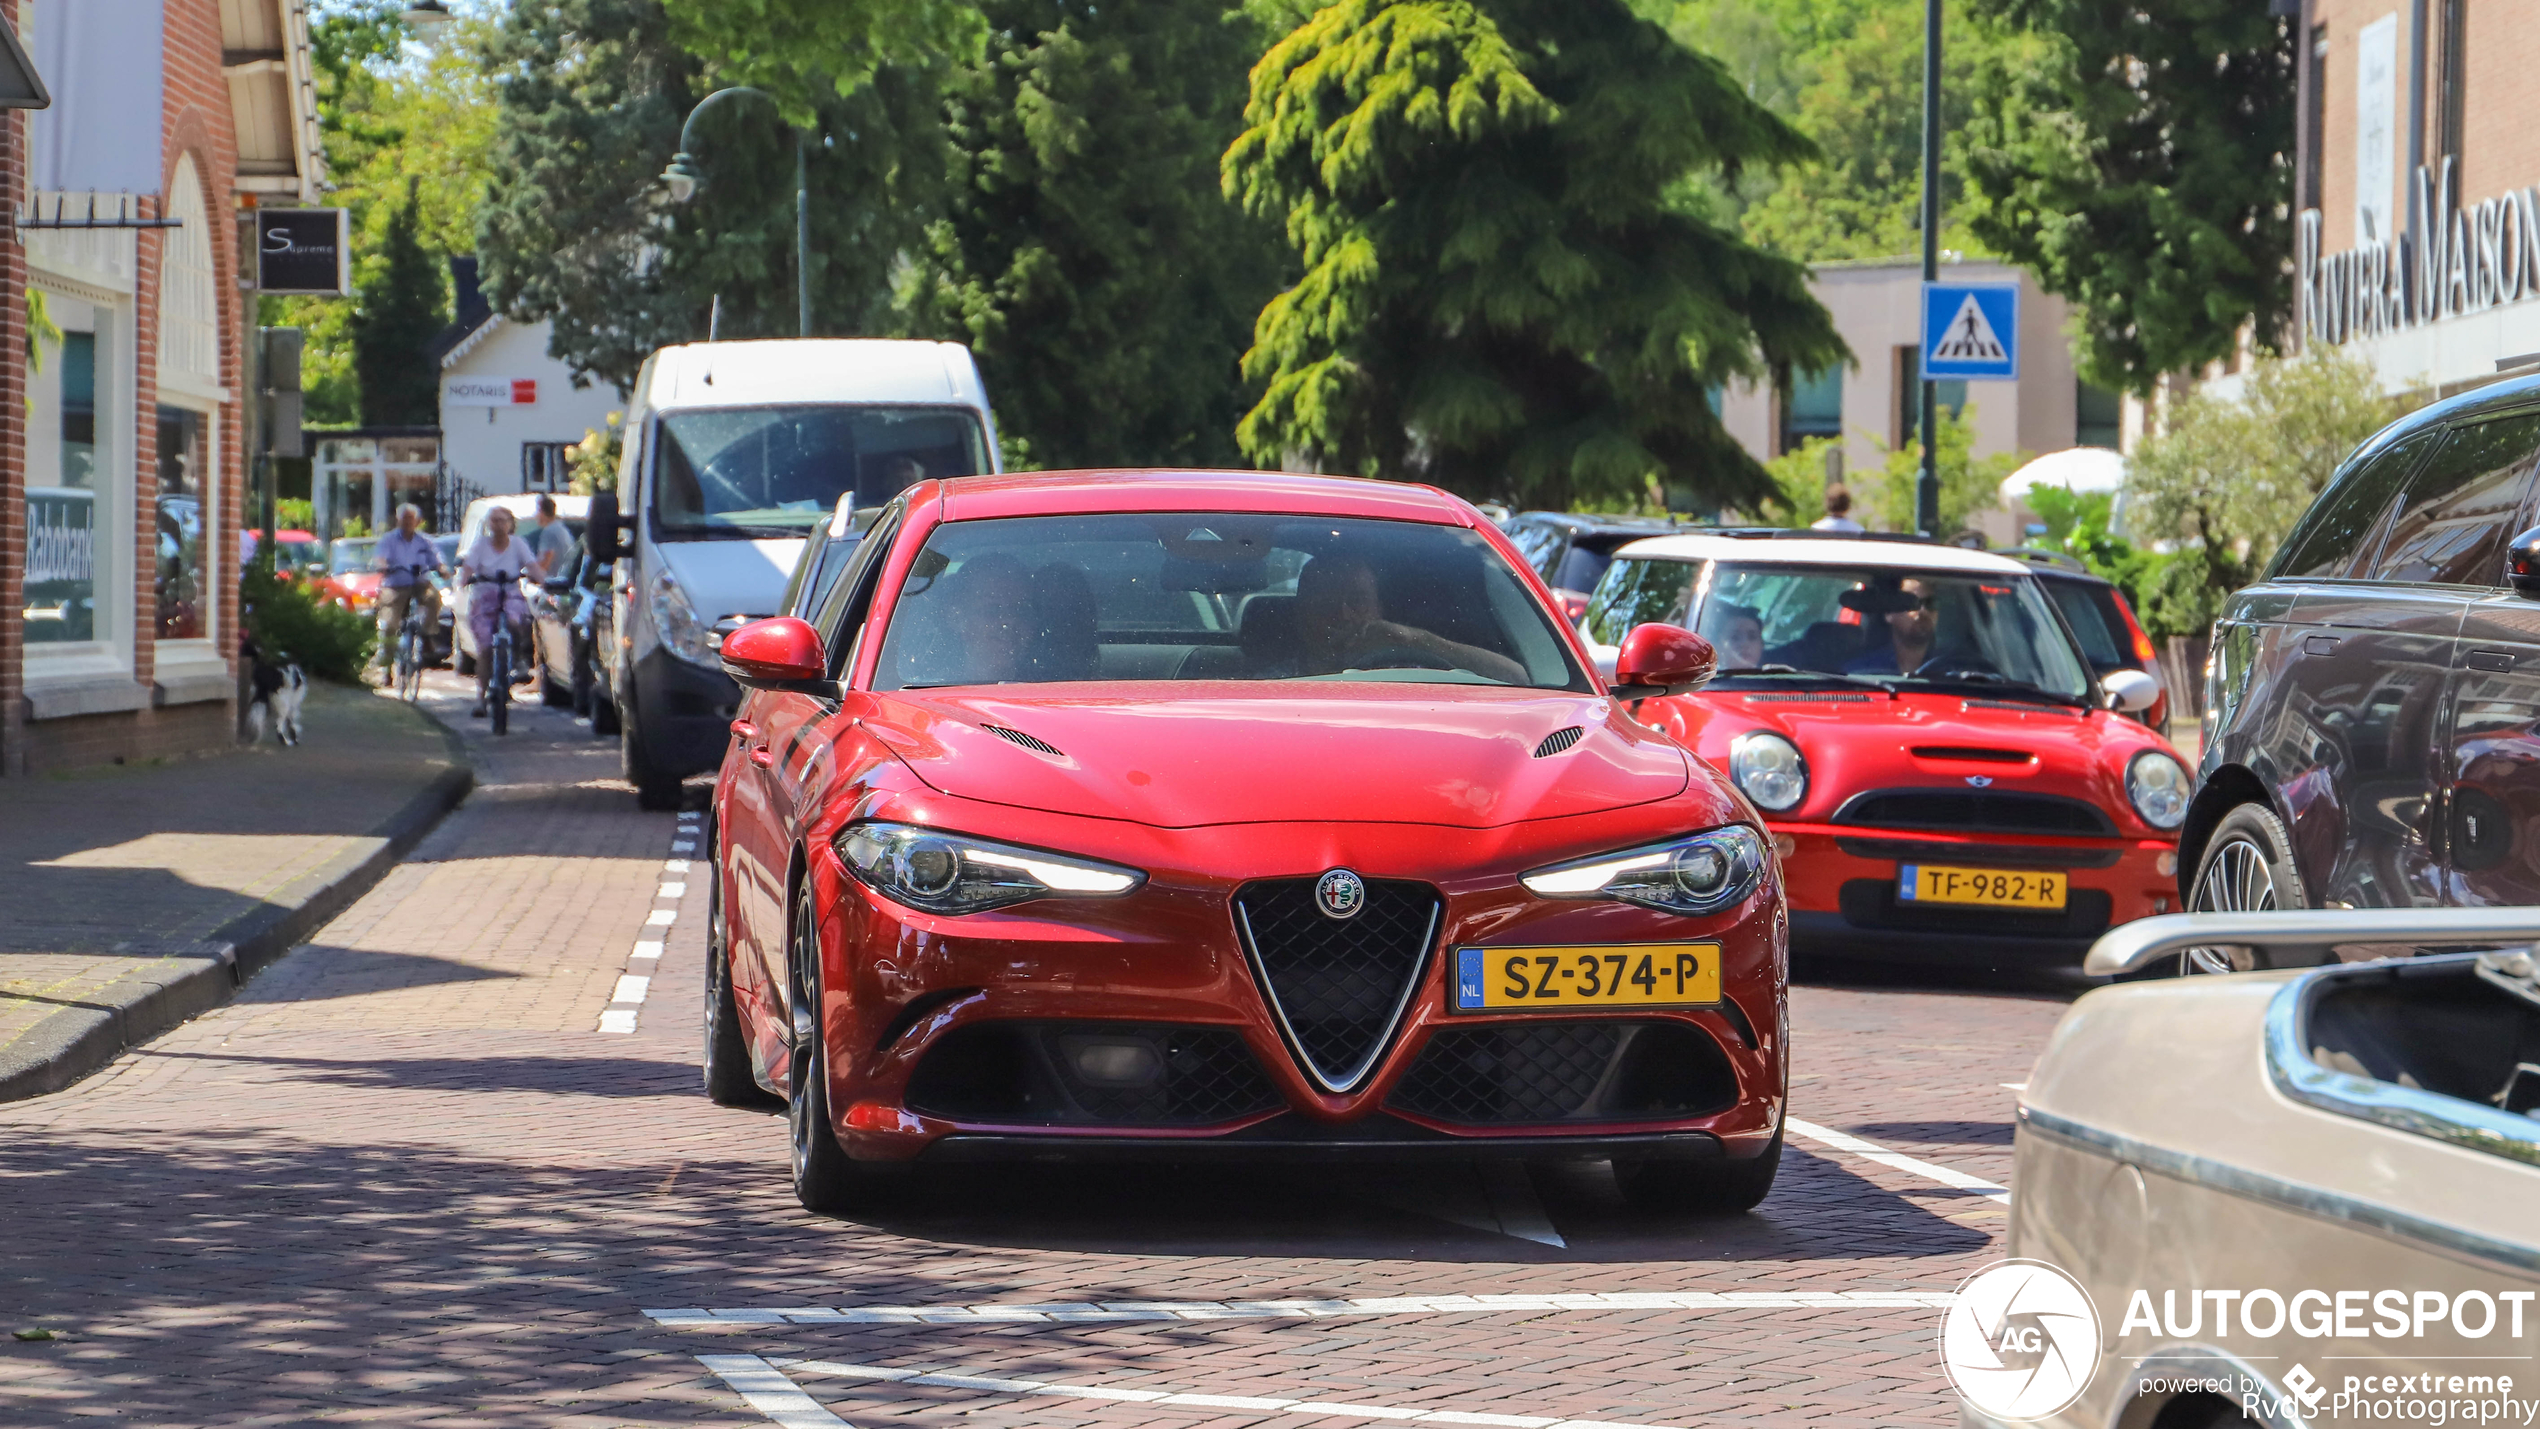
{"type": "Point", "coordinates": [280, 687]}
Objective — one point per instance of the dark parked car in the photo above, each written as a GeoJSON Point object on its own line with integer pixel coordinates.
{"type": "Point", "coordinates": [2373, 727]}
{"type": "Point", "coordinates": [2104, 623]}
{"type": "Point", "coordinates": [1571, 551]}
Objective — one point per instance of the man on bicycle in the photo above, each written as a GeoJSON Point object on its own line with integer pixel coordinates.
{"type": "Point", "coordinates": [493, 568]}
{"type": "Point", "coordinates": [406, 556]}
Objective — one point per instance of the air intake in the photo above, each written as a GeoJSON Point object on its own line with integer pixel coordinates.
{"type": "Point", "coordinates": [1018, 737]}
{"type": "Point", "coordinates": [1558, 740]}
{"type": "Point", "coordinates": [1338, 987]}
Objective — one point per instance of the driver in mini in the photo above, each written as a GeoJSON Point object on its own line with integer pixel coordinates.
{"type": "Point", "coordinates": [1911, 634]}
{"type": "Point", "coordinates": [1340, 625]}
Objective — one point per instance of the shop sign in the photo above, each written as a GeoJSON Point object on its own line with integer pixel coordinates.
{"type": "Point", "coordinates": [2448, 262]}
{"type": "Point", "coordinates": [303, 250]}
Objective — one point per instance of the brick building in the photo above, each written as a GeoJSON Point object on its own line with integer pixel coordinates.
{"type": "Point", "coordinates": [123, 477]}
{"type": "Point", "coordinates": [2418, 242]}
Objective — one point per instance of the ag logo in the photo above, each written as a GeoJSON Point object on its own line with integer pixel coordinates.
{"type": "Point", "coordinates": [1340, 893]}
{"type": "Point", "coordinates": [2021, 1341]}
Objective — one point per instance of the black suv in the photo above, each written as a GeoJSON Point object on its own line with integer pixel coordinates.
{"type": "Point", "coordinates": [2372, 736]}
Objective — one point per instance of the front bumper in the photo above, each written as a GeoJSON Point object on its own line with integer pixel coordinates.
{"type": "Point", "coordinates": [1842, 886]}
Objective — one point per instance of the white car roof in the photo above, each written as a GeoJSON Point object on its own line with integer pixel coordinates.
{"type": "Point", "coordinates": [861, 370]}
{"type": "Point", "coordinates": [1829, 551]}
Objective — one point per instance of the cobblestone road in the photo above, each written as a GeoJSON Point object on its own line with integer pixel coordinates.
{"type": "Point", "coordinates": [407, 1178]}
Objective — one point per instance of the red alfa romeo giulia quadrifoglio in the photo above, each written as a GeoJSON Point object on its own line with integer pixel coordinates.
{"type": "Point", "coordinates": [1104, 814]}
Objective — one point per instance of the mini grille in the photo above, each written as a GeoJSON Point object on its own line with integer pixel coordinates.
{"type": "Point", "coordinates": [1966, 754]}
{"type": "Point", "coordinates": [1338, 986]}
{"type": "Point", "coordinates": [1973, 810]}
{"type": "Point", "coordinates": [1016, 736]}
{"type": "Point", "coordinates": [1558, 740]}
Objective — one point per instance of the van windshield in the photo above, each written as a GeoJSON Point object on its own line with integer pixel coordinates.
{"type": "Point", "coordinates": [773, 471]}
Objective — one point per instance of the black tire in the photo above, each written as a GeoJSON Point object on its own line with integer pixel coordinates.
{"type": "Point", "coordinates": [826, 1180]}
{"type": "Point", "coordinates": [553, 693]}
{"type": "Point", "coordinates": [656, 789]}
{"type": "Point", "coordinates": [2247, 867]}
{"type": "Point", "coordinates": [729, 1079]}
{"type": "Point", "coordinates": [1704, 1188]}
{"type": "Point", "coordinates": [604, 720]}
{"type": "Point", "coordinates": [462, 662]}
{"type": "Point", "coordinates": [580, 693]}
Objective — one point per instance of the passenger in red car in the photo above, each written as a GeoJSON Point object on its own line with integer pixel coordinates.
{"type": "Point", "coordinates": [1340, 625]}
{"type": "Point", "coordinates": [1737, 631]}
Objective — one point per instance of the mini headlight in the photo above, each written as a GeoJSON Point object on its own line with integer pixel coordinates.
{"type": "Point", "coordinates": [2158, 787]}
{"type": "Point", "coordinates": [936, 872]}
{"type": "Point", "coordinates": [1769, 770]}
{"type": "Point", "coordinates": [1701, 874]}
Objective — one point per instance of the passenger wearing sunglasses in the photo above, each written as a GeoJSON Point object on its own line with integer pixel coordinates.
{"type": "Point", "coordinates": [1911, 632]}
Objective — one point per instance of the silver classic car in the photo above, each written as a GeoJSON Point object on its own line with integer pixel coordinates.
{"type": "Point", "coordinates": [2303, 1197]}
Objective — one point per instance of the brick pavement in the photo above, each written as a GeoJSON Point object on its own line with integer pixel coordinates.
{"type": "Point", "coordinates": [405, 1181]}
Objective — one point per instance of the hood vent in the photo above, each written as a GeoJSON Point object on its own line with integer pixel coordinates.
{"type": "Point", "coordinates": [1018, 737]}
{"type": "Point", "coordinates": [1966, 755]}
{"type": "Point", "coordinates": [1559, 740]}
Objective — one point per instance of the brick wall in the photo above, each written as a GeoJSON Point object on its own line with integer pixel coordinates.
{"type": "Point", "coordinates": [2500, 148]}
{"type": "Point", "coordinates": [13, 197]}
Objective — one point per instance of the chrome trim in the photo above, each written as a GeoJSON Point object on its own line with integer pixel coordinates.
{"type": "Point", "coordinates": [2276, 1191]}
{"type": "Point", "coordinates": [2298, 1075]}
{"type": "Point", "coordinates": [2204, 1362]}
{"type": "Point", "coordinates": [1393, 1022]}
{"type": "Point", "coordinates": [2128, 947]}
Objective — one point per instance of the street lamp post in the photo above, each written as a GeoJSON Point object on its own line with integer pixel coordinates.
{"type": "Point", "coordinates": [685, 176]}
{"type": "Point", "coordinates": [1927, 485]}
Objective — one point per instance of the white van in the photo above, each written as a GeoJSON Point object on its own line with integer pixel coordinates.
{"type": "Point", "coordinates": [733, 451]}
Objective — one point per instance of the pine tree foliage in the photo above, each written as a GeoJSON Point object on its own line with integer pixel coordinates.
{"type": "Point", "coordinates": [402, 303]}
{"type": "Point", "coordinates": [578, 229]}
{"type": "Point", "coordinates": [808, 52]}
{"type": "Point", "coordinates": [1497, 295]}
{"type": "Point", "coordinates": [1087, 255]}
{"type": "Point", "coordinates": [2139, 161]}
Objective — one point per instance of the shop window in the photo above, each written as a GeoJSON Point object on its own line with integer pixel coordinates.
{"type": "Point", "coordinates": [1813, 407]}
{"type": "Point", "coordinates": [182, 586]}
{"type": "Point", "coordinates": [2098, 416]}
{"type": "Point", "coordinates": [68, 501]}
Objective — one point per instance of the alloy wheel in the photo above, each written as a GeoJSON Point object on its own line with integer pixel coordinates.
{"type": "Point", "coordinates": [2237, 878]}
{"type": "Point", "coordinates": [803, 1104]}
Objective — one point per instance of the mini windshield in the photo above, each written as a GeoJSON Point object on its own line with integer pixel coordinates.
{"type": "Point", "coordinates": [758, 471]}
{"type": "Point", "coordinates": [1214, 596]}
{"type": "Point", "coordinates": [1830, 623]}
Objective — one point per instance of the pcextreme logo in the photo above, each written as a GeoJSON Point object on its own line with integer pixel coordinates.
{"type": "Point", "coordinates": [2021, 1341]}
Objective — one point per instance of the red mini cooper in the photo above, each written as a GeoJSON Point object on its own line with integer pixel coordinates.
{"type": "Point", "coordinates": [1942, 775]}
{"type": "Point", "coordinates": [1230, 814]}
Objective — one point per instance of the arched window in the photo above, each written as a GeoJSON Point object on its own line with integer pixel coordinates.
{"type": "Point", "coordinates": [189, 301]}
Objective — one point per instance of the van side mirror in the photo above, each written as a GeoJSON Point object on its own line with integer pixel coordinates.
{"type": "Point", "coordinates": [2522, 564]}
{"type": "Point", "coordinates": [1661, 660]}
{"type": "Point", "coordinates": [600, 530]}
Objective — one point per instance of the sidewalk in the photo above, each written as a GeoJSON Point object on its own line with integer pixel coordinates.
{"type": "Point", "coordinates": [138, 897]}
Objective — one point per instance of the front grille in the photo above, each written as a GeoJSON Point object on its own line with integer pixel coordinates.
{"type": "Point", "coordinates": [1871, 903]}
{"type": "Point", "coordinates": [1028, 1073]}
{"type": "Point", "coordinates": [1558, 740]}
{"type": "Point", "coordinates": [1974, 811]}
{"type": "Point", "coordinates": [1337, 986]}
{"type": "Point", "coordinates": [1521, 1073]}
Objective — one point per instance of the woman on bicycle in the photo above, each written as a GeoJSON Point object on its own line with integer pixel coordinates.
{"type": "Point", "coordinates": [497, 562]}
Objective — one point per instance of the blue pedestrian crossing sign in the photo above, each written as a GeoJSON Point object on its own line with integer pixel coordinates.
{"type": "Point", "coordinates": [1971, 329]}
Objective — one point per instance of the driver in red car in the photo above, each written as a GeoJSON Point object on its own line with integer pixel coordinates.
{"type": "Point", "coordinates": [1340, 625]}
{"type": "Point", "coordinates": [1910, 633]}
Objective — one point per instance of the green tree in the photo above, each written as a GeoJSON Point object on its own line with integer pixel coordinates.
{"type": "Point", "coordinates": [1087, 254]}
{"type": "Point", "coordinates": [1497, 294]}
{"type": "Point", "coordinates": [2226, 479]}
{"type": "Point", "coordinates": [402, 304]}
{"type": "Point", "coordinates": [2138, 159]}
{"type": "Point", "coordinates": [591, 97]}
{"type": "Point", "coordinates": [808, 52]}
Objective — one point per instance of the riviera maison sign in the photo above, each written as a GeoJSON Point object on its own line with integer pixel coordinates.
{"type": "Point", "coordinates": [2449, 261]}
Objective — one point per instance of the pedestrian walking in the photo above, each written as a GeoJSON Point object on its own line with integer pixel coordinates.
{"type": "Point", "coordinates": [1838, 515]}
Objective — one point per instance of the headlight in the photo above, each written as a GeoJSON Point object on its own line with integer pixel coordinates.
{"type": "Point", "coordinates": [675, 620]}
{"type": "Point", "coordinates": [1701, 874]}
{"type": "Point", "coordinates": [1769, 770]}
{"type": "Point", "coordinates": [937, 872]}
{"type": "Point", "coordinates": [2158, 786]}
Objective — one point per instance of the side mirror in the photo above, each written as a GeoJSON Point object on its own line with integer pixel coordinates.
{"type": "Point", "coordinates": [1574, 604]}
{"type": "Point", "coordinates": [2130, 691]}
{"type": "Point", "coordinates": [2522, 564]}
{"type": "Point", "coordinates": [780, 653]}
{"type": "Point", "coordinates": [600, 531]}
{"type": "Point", "coordinates": [1661, 660]}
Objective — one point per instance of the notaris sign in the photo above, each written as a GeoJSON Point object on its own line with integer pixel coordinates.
{"type": "Point", "coordinates": [2449, 261]}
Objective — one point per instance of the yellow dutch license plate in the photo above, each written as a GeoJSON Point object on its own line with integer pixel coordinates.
{"type": "Point", "coordinates": [1571, 977]}
{"type": "Point", "coordinates": [1982, 887]}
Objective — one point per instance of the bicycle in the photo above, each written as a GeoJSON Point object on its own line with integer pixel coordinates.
{"type": "Point", "coordinates": [408, 668]}
{"type": "Point", "coordinates": [495, 660]}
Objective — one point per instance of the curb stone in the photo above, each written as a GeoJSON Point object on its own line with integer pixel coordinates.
{"type": "Point", "coordinates": [193, 978]}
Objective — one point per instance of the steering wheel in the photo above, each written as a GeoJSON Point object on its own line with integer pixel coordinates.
{"type": "Point", "coordinates": [1400, 657]}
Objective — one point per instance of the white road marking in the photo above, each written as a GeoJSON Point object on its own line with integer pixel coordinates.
{"type": "Point", "coordinates": [2017, 1086]}
{"type": "Point", "coordinates": [618, 1019]}
{"type": "Point", "coordinates": [673, 890]}
{"type": "Point", "coordinates": [1178, 1310]}
{"type": "Point", "coordinates": [684, 845]}
{"type": "Point", "coordinates": [630, 990]}
{"type": "Point", "coordinates": [661, 918]}
{"type": "Point", "coordinates": [1871, 1151]}
{"type": "Point", "coordinates": [1316, 1408]}
{"type": "Point", "coordinates": [647, 950]}
{"type": "Point", "coordinates": [674, 865]}
{"type": "Point", "coordinates": [766, 1389]}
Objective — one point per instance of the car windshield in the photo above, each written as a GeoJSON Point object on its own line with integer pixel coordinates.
{"type": "Point", "coordinates": [351, 555]}
{"type": "Point", "coordinates": [1841, 624]}
{"type": "Point", "coordinates": [1217, 596]}
{"type": "Point", "coordinates": [751, 471]}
